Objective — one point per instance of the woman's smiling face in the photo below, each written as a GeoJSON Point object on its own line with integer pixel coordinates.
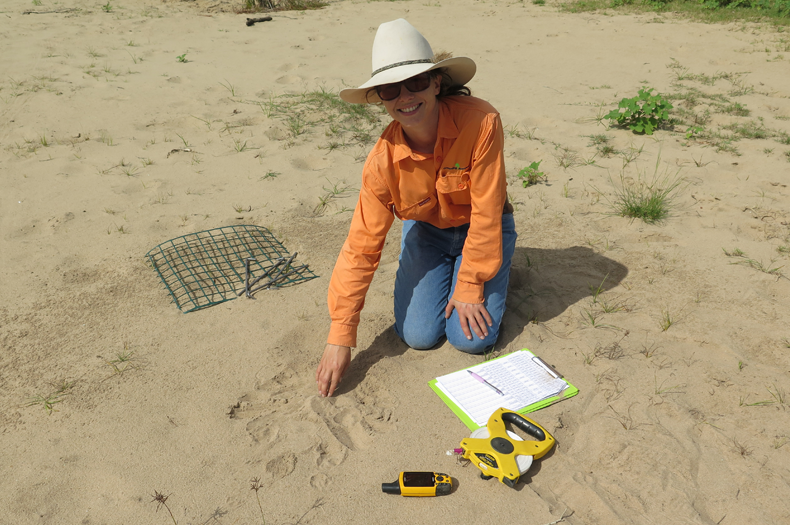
{"type": "Point", "coordinates": [416, 111]}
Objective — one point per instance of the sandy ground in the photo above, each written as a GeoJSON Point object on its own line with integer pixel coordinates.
{"type": "Point", "coordinates": [680, 351]}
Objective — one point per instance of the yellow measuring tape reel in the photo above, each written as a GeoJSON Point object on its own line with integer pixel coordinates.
{"type": "Point", "coordinates": [502, 454]}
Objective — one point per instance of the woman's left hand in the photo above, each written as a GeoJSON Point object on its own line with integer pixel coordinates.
{"type": "Point", "coordinates": [474, 318]}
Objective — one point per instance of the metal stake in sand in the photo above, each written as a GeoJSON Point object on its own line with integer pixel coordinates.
{"type": "Point", "coordinates": [247, 275]}
{"type": "Point", "coordinates": [280, 275]}
{"type": "Point", "coordinates": [268, 272]}
{"type": "Point", "coordinates": [287, 265]}
{"type": "Point", "coordinates": [277, 281]}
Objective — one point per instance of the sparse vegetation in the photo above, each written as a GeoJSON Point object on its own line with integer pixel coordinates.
{"type": "Point", "coordinates": [345, 125]}
{"type": "Point", "coordinates": [254, 6]}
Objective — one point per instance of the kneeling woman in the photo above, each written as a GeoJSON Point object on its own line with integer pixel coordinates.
{"type": "Point", "coordinates": [438, 167]}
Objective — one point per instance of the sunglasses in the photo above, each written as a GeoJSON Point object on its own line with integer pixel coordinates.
{"type": "Point", "coordinates": [416, 84]}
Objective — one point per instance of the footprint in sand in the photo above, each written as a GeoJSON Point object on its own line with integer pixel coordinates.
{"type": "Point", "coordinates": [319, 481]}
{"type": "Point", "coordinates": [310, 163]}
{"type": "Point", "coordinates": [288, 79]}
{"type": "Point", "coordinates": [283, 414]}
{"type": "Point", "coordinates": [282, 465]}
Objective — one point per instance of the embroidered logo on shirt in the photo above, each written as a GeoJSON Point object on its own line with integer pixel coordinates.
{"type": "Point", "coordinates": [423, 203]}
{"type": "Point", "coordinates": [457, 167]}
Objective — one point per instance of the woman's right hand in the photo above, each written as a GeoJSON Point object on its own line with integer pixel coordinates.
{"type": "Point", "coordinates": [330, 371]}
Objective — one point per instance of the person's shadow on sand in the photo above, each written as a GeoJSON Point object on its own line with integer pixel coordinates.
{"type": "Point", "coordinates": [543, 284]}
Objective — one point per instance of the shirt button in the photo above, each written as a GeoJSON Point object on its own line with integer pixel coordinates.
{"type": "Point", "coordinates": [461, 186]}
{"type": "Point", "coordinates": [439, 159]}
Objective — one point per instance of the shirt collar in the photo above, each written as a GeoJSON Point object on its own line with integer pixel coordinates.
{"type": "Point", "coordinates": [447, 130]}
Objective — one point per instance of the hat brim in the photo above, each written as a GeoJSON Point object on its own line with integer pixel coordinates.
{"type": "Point", "coordinates": [459, 69]}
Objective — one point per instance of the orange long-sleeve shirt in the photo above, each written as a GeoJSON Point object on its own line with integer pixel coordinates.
{"type": "Point", "coordinates": [462, 182]}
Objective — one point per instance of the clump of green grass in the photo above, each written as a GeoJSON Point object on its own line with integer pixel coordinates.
{"type": "Point", "coordinates": [649, 199]}
{"type": "Point", "coordinates": [667, 319]}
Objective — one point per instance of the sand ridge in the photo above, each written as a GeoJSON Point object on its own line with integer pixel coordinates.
{"type": "Point", "coordinates": [109, 145]}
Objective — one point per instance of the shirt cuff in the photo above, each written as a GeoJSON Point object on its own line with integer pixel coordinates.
{"type": "Point", "coordinates": [342, 335]}
{"type": "Point", "coordinates": [468, 292]}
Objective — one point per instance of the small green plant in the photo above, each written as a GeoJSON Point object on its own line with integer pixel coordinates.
{"type": "Point", "coordinates": [566, 157]}
{"type": "Point", "coordinates": [595, 291]}
{"type": "Point", "coordinates": [48, 401]}
{"type": "Point", "coordinates": [239, 146]}
{"type": "Point", "coordinates": [642, 113]}
{"type": "Point", "coordinates": [125, 359]}
{"type": "Point", "coordinates": [227, 85]}
{"type": "Point", "coordinates": [296, 125]}
{"type": "Point", "coordinates": [182, 58]}
{"type": "Point", "coordinates": [694, 131]}
{"type": "Point", "coordinates": [649, 200]}
{"type": "Point", "coordinates": [107, 8]}
{"type": "Point", "coordinates": [667, 320]}
{"type": "Point", "coordinates": [270, 175]}
{"type": "Point", "coordinates": [530, 175]}
{"type": "Point", "coordinates": [598, 139]}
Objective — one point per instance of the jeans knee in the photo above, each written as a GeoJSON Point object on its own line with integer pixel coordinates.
{"type": "Point", "coordinates": [474, 345]}
{"type": "Point", "coordinates": [418, 339]}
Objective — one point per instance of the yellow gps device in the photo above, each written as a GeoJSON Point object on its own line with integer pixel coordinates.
{"type": "Point", "coordinates": [419, 484]}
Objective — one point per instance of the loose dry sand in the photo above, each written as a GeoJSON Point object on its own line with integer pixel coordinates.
{"type": "Point", "coordinates": [681, 425]}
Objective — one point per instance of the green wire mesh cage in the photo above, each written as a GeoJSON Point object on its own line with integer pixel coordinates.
{"type": "Point", "coordinates": [209, 267]}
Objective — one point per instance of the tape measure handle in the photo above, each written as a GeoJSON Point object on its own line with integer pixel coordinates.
{"type": "Point", "coordinates": [523, 424]}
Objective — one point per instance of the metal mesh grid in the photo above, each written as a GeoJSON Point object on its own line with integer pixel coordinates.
{"type": "Point", "coordinates": [207, 268]}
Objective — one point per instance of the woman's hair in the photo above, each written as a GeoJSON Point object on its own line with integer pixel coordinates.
{"type": "Point", "coordinates": [448, 88]}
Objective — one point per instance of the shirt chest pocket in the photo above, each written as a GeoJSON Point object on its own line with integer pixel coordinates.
{"type": "Point", "coordinates": [453, 188]}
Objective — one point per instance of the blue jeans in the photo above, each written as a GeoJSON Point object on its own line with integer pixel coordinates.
{"type": "Point", "coordinates": [428, 269]}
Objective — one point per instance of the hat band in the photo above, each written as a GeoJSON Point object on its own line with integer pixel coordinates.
{"type": "Point", "coordinates": [405, 63]}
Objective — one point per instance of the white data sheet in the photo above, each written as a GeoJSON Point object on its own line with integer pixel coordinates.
{"type": "Point", "coordinates": [522, 380]}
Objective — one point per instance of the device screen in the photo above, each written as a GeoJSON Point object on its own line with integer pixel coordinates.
{"type": "Point", "coordinates": [418, 479]}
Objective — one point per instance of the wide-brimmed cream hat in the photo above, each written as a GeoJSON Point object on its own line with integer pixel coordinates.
{"type": "Point", "coordinates": [401, 52]}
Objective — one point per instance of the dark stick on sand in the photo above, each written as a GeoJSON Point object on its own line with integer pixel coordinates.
{"type": "Point", "coordinates": [252, 21]}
